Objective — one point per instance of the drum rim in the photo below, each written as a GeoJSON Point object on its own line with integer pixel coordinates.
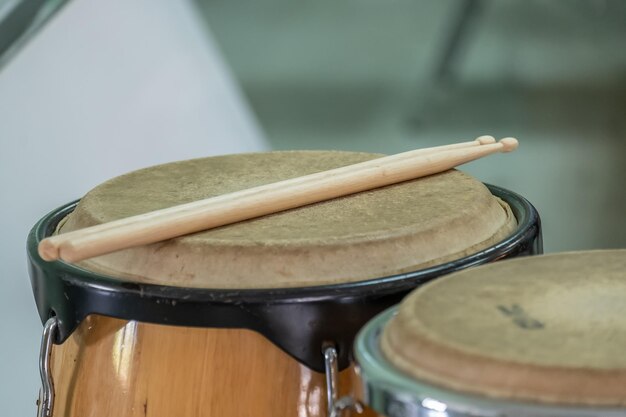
{"type": "Point", "coordinates": [525, 213]}
{"type": "Point", "coordinates": [391, 392]}
{"type": "Point", "coordinates": [298, 320]}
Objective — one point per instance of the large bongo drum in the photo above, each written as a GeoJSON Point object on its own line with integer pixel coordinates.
{"type": "Point", "coordinates": [256, 318]}
{"type": "Point", "coordinates": [541, 336]}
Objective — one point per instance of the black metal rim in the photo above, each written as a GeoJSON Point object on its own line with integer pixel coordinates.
{"type": "Point", "coordinates": [525, 213]}
{"type": "Point", "coordinates": [298, 320]}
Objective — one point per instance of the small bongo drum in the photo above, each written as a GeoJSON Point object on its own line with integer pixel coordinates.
{"type": "Point", "coordinates": [256, 318]}
{"type": "Point", "coordinates": [540, 336]}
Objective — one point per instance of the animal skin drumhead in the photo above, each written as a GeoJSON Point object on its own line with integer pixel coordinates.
{"type": "Point", "coordinates": [547, 329]}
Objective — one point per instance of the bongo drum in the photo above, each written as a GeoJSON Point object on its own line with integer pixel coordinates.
{"type": "Point", "coordinates": [256, 318]}
{"type": "Point", "coordinates": [540, 336]}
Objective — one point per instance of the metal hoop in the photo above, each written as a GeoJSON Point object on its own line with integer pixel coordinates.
{"type": "Point", "coordinates": [45, 404]}
{"type": "Point", "coordinates": [336, 406]}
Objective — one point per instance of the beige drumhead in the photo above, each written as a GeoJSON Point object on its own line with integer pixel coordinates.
{"type": "Point", "coordinates": [386, 231]}
{"type": "Point", "coordinates": [547, 329]}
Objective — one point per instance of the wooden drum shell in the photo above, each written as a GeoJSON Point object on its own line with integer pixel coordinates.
{"type": "Point", "coordinates": [113, 367]}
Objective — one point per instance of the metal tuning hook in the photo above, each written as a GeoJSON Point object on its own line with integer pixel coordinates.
{"type": "Point", "coordinates": [45, 404]}
{"type": "Point", "coordinates": [336, 406]}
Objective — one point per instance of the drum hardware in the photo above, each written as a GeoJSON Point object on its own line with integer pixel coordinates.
{"type": "Point", "coordinates": [45, 403]}
{"type": "Point", "coordinates": [336, 406]}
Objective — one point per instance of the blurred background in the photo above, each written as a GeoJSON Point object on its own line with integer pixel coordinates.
{"type": "Point", "coordinates": [391, 76]}
{"type": "Point", "coordinates": [89, 90]}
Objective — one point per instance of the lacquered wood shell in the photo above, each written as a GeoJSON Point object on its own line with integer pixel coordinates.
{"type": "Point", "coordinates": [111, 367]}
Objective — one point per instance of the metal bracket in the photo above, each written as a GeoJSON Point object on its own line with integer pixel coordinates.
{"type": "Point", "coordinates": [336, 406]}
{"type": "Point", "coordinates": [45, 404]}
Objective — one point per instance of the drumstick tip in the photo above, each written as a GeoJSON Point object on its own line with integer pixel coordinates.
{"type": "Point", "coordinates": [509, 144]}
{"type": "Point", "coordinates": [48, 250]}
{"type": "Point", "coordinates": [486, 140]}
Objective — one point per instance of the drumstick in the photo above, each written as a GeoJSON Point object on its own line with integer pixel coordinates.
{"type": "Point", "coordinates": [266, 199]}
{"type": "Point", "coordinates": [49, 248]}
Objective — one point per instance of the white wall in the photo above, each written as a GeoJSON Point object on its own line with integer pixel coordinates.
{"type": "Point", "coordinates": [106, 87]}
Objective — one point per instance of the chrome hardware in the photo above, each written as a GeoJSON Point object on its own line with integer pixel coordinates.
{"type": "Point", "coordinates": [345, 403]}
{"type": "Point", "coordinates": [45, 403]}
{"type": "Point", "coordinates": [336, 406]}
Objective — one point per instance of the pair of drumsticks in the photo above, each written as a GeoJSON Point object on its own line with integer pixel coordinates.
{"type": "Point", "coordinates": [258, 201]}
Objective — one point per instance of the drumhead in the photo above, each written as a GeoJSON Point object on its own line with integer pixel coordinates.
{"type": "Point", "coordinates": [387, 231]}
{"type": "Point", "coordinates": [394, 393]}
{"type": "Point", "coordinates": [548, 329]}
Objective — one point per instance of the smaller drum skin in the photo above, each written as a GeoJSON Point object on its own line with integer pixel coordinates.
{"type": "Point", "coordinates": [540, 336]}
{"type": "Point", "coordinates": [142, 347]}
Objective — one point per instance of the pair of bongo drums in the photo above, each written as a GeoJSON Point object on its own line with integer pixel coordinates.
{"type": "Point", "coordinates": [260, 318]}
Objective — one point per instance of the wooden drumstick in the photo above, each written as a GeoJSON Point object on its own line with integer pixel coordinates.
{"type": "Point", "coordinates": [49, 248]}
{"type": "Point", "coordinates": [266, 199]}
{"type": "Point", "coordinates": [481, 140]}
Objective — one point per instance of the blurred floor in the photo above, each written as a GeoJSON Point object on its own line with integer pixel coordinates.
{"type": "Point", "coordinates": [360, 75]}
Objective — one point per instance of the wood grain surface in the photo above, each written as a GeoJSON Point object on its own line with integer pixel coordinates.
{"type": "Point", "coordinates": [111, 367]}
